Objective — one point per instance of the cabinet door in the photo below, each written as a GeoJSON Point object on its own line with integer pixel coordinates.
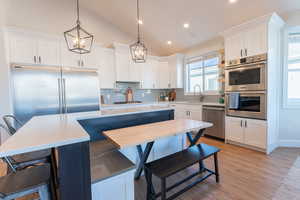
{"type": "Point", "coordinates": [22, 49]}
{"type": "Point", "coordinates": [135, 71]}
{"type": "Point", "coordinates": [122, 66]}
{"type": "Point", "coordinates": [256, 40]}
{"type": "Point", "coordinates": [181, 114]}
{"type": "Point", "coordinates": [164, 75]}
{"type": "Point", "coordinates": [234, 46]}
{"type": "Point", "coordinates": [256, 133]}
{"type": "Point", "coordinates": [234, 130]}
{"type": "Point", "coordinates": [176, 63]}
{"type": "Point", "coordinates": [107, 72]}
{"type": "Point", "coordinates": [148, 74]}
{"type": "Point", "coordinates": [92, 59]}
{"type": "Point", "coordinates": [49, 52]}
{"type": "Point", "coordinates": [196, 115]}
{"type": "Point", "coordinates": [68, 58]}
{"type": "Point", "coordinates": [167, 146]}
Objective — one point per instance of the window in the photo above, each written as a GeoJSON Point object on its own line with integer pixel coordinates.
{"type": "Point", "coordinates": [202, 75]}
{"type": "Point", "coordinates": [292, 69]}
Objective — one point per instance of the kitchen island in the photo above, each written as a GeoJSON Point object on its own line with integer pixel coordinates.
{"type": "Point", "coordinates": [71, 136]}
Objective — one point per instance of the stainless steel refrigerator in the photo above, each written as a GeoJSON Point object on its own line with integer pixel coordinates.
{"type": "Point", "coordinates": [42, 90]}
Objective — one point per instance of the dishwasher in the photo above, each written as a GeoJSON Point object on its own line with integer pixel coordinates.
{"type": "Point", "coordinates": [216, 116]}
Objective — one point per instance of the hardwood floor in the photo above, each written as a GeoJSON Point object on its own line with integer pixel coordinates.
{"type": "Point", "coordinates": [244, 175]}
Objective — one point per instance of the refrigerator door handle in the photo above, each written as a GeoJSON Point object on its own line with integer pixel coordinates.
{"type": "Point", "coordinates": [64, 96]}
{"type": "Point", "coordinates": [59, 95]}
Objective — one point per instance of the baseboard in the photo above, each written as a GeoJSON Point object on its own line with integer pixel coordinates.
{"type": "Point", "coordinates": [289, 143]}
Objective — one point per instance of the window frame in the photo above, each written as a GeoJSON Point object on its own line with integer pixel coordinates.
{"type": "Point", "coordinates": [288, 103]}
{"type": "Point", "coordinates": [187, 76]}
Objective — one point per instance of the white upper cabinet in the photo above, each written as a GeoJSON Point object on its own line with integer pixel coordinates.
{"type": "Point", "coordinates": [68, 58]}
{"type": "Point", "coordinates": [148, 74]}
{"type": "Point", "coordinates": [122, 66]}
{"type": "Point", "coordinates": [256, 40]}
{"type": "Point", "coordinates": [22, 48]}
{"type": "Point", "coordinates": [246, 40]}
{"type": "Point", "coordinates": [135, 71]}
{"type": "Point", "coordinates": [106, 71]}
{"type": "Point", "coordinates": [92, 59]}
{"type": "Point", "coordinates": [176, 63]}
{"type": "Point", "coordinates": [33, 49]}
{"type": "Point", "coordinates": [164, 75]}
{"type": "Point", "coordinates": [49, 51]}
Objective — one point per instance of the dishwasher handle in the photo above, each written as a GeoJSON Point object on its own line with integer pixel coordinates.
{"type": "Point", "coordinates": [213, 108]}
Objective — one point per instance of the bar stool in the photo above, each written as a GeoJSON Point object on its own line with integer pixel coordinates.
{"type": "Point", "coordinates": [24, 160]}
{"type": "Point", "coordinates": [25, 182]}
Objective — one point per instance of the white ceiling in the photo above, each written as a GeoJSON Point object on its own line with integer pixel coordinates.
{"type": "Point", "coordinates": [163, 19]}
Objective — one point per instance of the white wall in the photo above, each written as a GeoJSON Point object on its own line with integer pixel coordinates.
{"type": "Point", "coordinates": [289, 127]}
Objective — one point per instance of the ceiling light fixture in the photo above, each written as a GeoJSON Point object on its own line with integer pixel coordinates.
{"type": "Point", "coordinates": [186, 25]}
{"type": "Point", "coordinates": [140, 22]}
{"type": "Point", "coordinates": [169, 42]}
{"type": "Point", "coordinates": [138, 50]}
{"type": "Point", "coordinates": [232, 1]}
{"type": "Point", "coordinates": [79, 40]}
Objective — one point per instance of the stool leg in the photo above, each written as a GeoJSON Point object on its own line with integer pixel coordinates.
{"type": "Point", "coordinates": [216, 167]}
{"type": "Point", "coordinates": [44, 192]}
{"type": "Point", "coordinates": [163, 189]}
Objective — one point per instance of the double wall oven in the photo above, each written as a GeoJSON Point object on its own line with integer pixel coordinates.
{"type": "Point", "coordinates": [245, 87]}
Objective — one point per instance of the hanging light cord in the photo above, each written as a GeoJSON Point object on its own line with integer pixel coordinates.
{"type": "Point", "coordinates": [78, 21]}
{"type": "Point", "coordinates": [138, 18]}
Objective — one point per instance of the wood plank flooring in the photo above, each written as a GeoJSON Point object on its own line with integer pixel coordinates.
{"type": "Point", "coordinates": [244, 175]}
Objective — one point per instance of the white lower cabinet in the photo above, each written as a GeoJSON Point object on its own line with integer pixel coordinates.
{"type": "Point", "coordinates": [185, 111]}
{"type": "Point", "coordinates": [234, 129]}
{"type": "Point", "coordinates": [247, 131]}
{"type": "Point", "coordinates": [120, 187]}
{"type": "Point", "coordinates": [256, 133]}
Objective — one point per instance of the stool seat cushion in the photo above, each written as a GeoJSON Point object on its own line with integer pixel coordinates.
{"type": "Point", "coordinates": [25, 179]}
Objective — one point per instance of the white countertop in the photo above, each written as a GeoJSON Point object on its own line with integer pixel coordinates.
{"type": "Point", "coordinates": [160, 103]}
{"type": "Point", "coordinates": [50, 131]}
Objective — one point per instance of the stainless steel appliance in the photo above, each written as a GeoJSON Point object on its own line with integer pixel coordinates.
{"type": "Point", "coordinates": [42, 90]}
{"type": "Point", "coordinates": [246, 104]}
{"type": "Point", "coordinates": [248, 75]}
{"type": "Point", "coordinates": [215, 115]}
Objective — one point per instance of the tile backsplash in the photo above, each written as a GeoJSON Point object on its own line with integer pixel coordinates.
{"type": "Point", "coordinates": [115, 95]}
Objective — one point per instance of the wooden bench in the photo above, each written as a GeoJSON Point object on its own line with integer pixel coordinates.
{"type": "Point", "coordinates": [170, 165]}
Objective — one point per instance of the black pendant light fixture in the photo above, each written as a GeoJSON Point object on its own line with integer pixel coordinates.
{"type": "Point", "coordinates": [138, 50]}
{"type": "Point", "coordinates": [79, 40]}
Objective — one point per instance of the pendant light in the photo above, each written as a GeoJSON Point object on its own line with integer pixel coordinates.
{"type": "Point", "coordinates": [138, 50]}
{"type": "Point", "coordinates": [79, 40]}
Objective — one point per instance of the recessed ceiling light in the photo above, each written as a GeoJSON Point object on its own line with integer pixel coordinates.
{"type": "Point", "coordinates": [140, 21]}
{"type": "Point", "coordinates": [186, 25]}
{"type": "Point", "coordinates": [169, 42]}
{"type": "Point", "coordinates": [233, 1]}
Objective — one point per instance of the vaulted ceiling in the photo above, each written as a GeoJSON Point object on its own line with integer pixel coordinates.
{"type": "Point", "coordinates": [163, 19]}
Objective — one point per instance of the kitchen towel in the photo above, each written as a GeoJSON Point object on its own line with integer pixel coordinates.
{"type": "Point", "coordinates": [234, 99]}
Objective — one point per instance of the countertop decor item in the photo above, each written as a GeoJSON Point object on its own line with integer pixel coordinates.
{"type": "Point", "coordinates": [78, 39]}
{"type": "Point", "coordinates": [138, 50]}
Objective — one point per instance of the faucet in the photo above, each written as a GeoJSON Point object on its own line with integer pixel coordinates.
{"type": "Point", "coordinates": [200, 93]}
